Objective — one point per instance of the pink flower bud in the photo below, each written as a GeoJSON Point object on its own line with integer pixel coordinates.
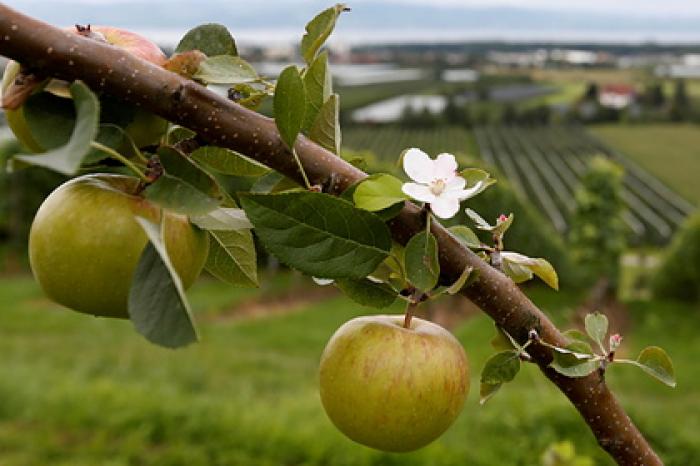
{"type": "Point", "coordinates": [615, 341]}
{"type": "Point", "coordinates": [502, 218]}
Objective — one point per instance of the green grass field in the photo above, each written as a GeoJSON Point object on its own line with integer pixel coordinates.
{"type": "Point", "coordinates": [669, 151]}
{"type": "Point", "coordinates": [79, 391]}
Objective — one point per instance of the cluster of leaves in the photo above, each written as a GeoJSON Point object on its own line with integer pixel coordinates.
{"type": "Point", "coordinates": [597, 234]}
{"type": "Point", "coordinates": [304, 100]}
{"type": "Point", "coordinates": [84, 132]}
{"type": "Point", "coordinates": [576, 359]}
{"type": "Point", "coordinates": [564, 454]}
{"type": "Point", "coordinates": [679, 274]}
{"type": "Point", "coordinates": [344, 238]}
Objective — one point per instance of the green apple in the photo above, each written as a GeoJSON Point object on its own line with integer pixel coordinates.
{"type": "Point", "coordinates": [145, 128]}
{"type": "Point", "coordinates": [84, 243]}
{"type": "Point", "coordinates": [393, 388]}
{"type": "Point", "coordinates": [15, 118]}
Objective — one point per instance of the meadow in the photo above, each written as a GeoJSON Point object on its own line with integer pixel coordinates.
{"type": "Point", "coordinates": [79, 391]}
{"type": "Point", "coordinates": [669, 151]}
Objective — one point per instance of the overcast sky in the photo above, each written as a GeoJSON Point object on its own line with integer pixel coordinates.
{"type": "Point", "coordinates": [655, 7]}
{"type": "Point", "coordinates": [646, 7]}
{"type": "Point", "coordinates": [398, 20]}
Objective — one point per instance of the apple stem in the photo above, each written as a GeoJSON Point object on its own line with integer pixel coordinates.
{"type": "Point", "coordinates": [408, 315]}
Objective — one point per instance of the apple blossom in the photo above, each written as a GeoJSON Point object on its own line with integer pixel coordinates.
{"type": "Point", "coordinates": [437, 182]}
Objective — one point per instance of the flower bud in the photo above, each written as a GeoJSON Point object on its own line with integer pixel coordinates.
{"type": "Point", "coordinates": [615, 341]}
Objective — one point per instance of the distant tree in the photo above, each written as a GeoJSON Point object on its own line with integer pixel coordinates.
{"type": "Point", "coordinates": [427, 119]}
{"type": "Point", "coordinates": [509, 115]}
{"type": "Point", "coordinates": [680, 105]}
{"type": "Point", "coordinates": [482, 116]}
{"type": "Point", "coordinates": [409, 116]}
{"type": "Point", "coordinates": [654, 95]}
{"type": "Point", "coordinates": [452, 113]}
{"type": "Point", "coordinates": [679, 274]}
{"type": "Point", "coordinates": [483, 92]}
{"type": "Point", "coordinates": [591, 92]}
{"type": "Point", "coordinates": [537, 115]}
{"type": "Point", "coordinates": [467, 119]}
{"type": "Point", "coordinates": [597, 235]}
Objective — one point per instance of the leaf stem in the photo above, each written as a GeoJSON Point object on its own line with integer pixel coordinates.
{"type": "Point", "coordinates": [301, 169]}
{"type": "Point", "coordinates": [116, 155]}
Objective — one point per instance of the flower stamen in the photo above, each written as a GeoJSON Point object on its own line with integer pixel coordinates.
{"type": "Point", "coordinates": [437, 187]}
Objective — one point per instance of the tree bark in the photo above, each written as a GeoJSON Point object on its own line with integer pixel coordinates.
{"type": "Point", "coordinates": [107, 69]}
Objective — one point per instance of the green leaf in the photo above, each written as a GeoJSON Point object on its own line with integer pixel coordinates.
{"type": "Point", "coordinates": [481, 224]}
{"type": "Point", "coordinates": [575, 335]}
{"type": "Point", "coordinates": [655, 362]}
{"type": "Point", "coordinates": [457, 286]}
{"type": "Point", "coordinates": [211, 39]}
{"type": "Point", "coordinates": [108, 135]}
{"type": "Point", "coordinates": [466, 236]}
{"type": "Point", "coordinates": [581, 369]}
{"type": "Point", "coordinates": [247, 95]}
{"type": "Point", "coordinates": [178, 165]}
{"type": "Point", "coordinates": [487, 391]}
{"type": "Point", "coordinates": [385, 214]}
{"type": "Point", "coordinates": [273, 182]}
{"type": "Point", "coordinates": [597, 328]}
{"type": "Point", "coordinates": [319, 234]}
{"type": "Point", "coordinates": [543, 269]}
{"type": "Point", "coordinates": [174, 194]}
{"type": "Point", "coordinates": [578, 349]}
{"type": "Point", "coordinates": [68, 158]}
{"type": "Point", "coordinates": [501, 368]}
{"type": "Point", "coordinates": [367, 292]}
{"type": "Point", "coordinates": [158, 307]}
{"type": "Point", "coordinates": [289, 104]}
{"type": "Point", "coordinates": [422, 265]}
{"type": "Point", "coordinates": [517, 272]}
{"type": "Point", "coordinates": [502, 225]}
{"type": "Point", "coordinates": [223, 219]}
{"type": "Point", "coordinates": [575, 359]}
{"type": "Point", "coordinates": [378, 192]}
{"type": "Point", "coordinates": [318, 85]}
{"type": "Point", "coordinates": [178, 134]}
{"type": "Point", "coordinates": [50, 119]}
{"type": "Point", "coordinates": [228, 162]}
{"type": "Point", "coordinates": [232, 258]}
{"type": "Point", "coordinates": [521, 268]}
{"type": "Point", "coordinates": [326, 129]}
{"type": "Point", "coordinates": [226, 69]}
{"type": "Point", "coordinates": [318, 30]}
{"type": "Point", "coordinates": [477, 178]}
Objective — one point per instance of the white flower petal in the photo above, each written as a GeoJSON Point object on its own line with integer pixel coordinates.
{"type": "Point", "coordinates": [445, 167]}
{"type": "Point", "coordinates": [467, 193]}
{"type": "Point", "coordinates": [418, 165]}
{"type": "Point", "coordinates": [419, 192]}
{"type": "Point", "coordinates": [322, 281]}
{"type": "Point", "coordinates": [455, 184]}
{"type": "Point", "coordinates": [445, 206]}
